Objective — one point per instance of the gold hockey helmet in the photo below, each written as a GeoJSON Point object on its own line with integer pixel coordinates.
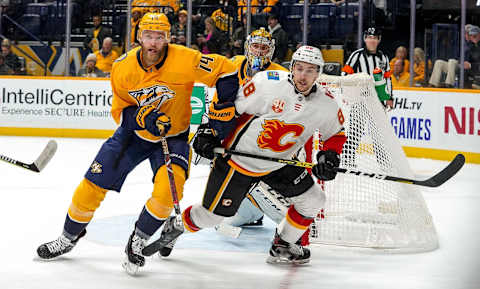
{"type": "Point", "coordinates": [259, 48]}
{"type": "Point", "coordinates": [154, 22]}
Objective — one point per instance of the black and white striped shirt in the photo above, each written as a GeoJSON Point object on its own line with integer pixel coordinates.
{"type": "Point", "coordinates": [363, 61]}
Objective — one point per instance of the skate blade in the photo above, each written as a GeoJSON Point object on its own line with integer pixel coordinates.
{"type": "Point", "coordinates": [285, 261]}
{"type": "Point", "coordinates": [129, 267]}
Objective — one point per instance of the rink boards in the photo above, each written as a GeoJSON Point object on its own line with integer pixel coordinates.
{"type": "Point", "coordinates": [430, 123]}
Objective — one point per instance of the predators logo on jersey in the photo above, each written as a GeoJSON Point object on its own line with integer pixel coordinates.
{"type": "Point", "coordinates": [274, 132]}
{"type": "Point", "coordinates": [152, 95]}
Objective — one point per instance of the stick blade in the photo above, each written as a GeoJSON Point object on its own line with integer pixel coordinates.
{"type": "Point", "coordinates": [158, 244]}
{"type": "Point", "coordinates": [45, 157]}
{"type": "Point", "coordinates": [445, 174]}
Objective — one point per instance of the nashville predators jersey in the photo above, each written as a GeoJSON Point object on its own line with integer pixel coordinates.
{"type": "Point", "coordinates": [277, 121]}
{"type": "Point", "coordinates": [167, 84]}
{"type": "Point", "coordinates": [240, 62]}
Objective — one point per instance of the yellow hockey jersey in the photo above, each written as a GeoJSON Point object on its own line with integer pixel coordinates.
{"type": "Point", "coordinates": [240, 62]}
{"type": "Point", "coordinates": [167, 84]}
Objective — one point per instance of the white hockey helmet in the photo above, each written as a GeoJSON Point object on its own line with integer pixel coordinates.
{"type": "Point", "coordinates": [308, 54]}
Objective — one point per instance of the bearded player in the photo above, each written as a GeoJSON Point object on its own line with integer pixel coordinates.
{"type": "Point", "coordinates": [152, 86]}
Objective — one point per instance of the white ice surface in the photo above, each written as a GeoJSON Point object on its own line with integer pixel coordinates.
{"type": "Point", "coordinates": [33, 208]}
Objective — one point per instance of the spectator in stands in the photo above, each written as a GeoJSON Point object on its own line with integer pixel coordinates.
{"type": "Point", "coordinates": [11, 60]}
{"type": "Point", "coordinates": [258, 7]}
{"type": "Point", "coordinates": [400, 78]}
{"type": "Point", "coordinates": [280, 36]}
{"type": "Point", "coordinates": [450, 68]}
{"type": "Point", "coordinates": [4, 69]}
{"type": "Point", "coordinates": [472, 58]}
{"type": "Point", "coordinates": [401, 53]}
{"type": "Point", "coordinates": [96, 35]}
{"type": "Point", "coordinates": [418, 66]}
{"type": "Point", "coordinates": [223, 21]}
{"type": "Point", "coordinates": [238, 38]}
{"type": "Point", "coordinates": [90, 69]}
{"type": "Point", "coordinates": [160, 6]}
{"type": "Point", "coordinates": [179, 29]}
{"type": "Point", "coordinates": [137, 13]}
{"type": "Point", "coordinates": [106, 56]}
{"type": "Point", "coordinates": [467, 29]}
{"type": "Point", "coordinates": [211, 41]}
{"type": "Point", "coordinates": [311, 39]}
{"type": "Point", "coordinates": [337, 2]}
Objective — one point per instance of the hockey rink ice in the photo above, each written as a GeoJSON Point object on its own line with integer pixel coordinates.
{"type": "Point", "coordinates": [33, 208]}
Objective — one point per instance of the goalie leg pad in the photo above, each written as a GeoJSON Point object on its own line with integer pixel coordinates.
{"type": "Point", "coordinates": [247, 213]}
{"type": "Point", "coordinates": [273, 204]}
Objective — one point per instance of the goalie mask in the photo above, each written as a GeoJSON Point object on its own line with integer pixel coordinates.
{"type": "Point", "coordinates": [259, 48]}
{"type": "Point", "coordinates": [154, 22]}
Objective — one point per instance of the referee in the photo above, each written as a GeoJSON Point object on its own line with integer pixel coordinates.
{"type": "Point", "coordinates": [373, 62]}
{"type": "Point", "coordinates": [368, 59]}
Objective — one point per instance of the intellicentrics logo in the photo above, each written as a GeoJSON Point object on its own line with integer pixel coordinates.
{"type": "Point", "coordinates": [55, 102]}
{"type": "Point", "coordinates": [44, 96]}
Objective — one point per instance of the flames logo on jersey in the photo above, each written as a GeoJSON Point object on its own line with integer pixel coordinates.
{"type": "Point", "coordinates": [155, 95]}
{"type": "Point", "coordinates": [274, 131]}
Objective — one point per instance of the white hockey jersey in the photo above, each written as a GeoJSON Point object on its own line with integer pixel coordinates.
{"type": "Point", "coordinates": [276, 121]}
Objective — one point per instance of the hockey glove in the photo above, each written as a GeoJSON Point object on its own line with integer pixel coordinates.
{"type": "Point", "coordinates": [155, 122]}
{"type": "Point", "coordinates": [327, 161]}
{"type": "Point", "coordinates": [205, 141]}
{"type": "Point", "coordinates": [222, 118]}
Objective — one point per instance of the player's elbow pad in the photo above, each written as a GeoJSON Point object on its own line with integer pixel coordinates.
{"type": "Point", "coordinates": [222, 118]}
{"type": "Point", "coordinates": [227, 88]}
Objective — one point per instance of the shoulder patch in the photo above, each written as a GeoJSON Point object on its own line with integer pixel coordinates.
{"type": "Point", "coordinates": [273, 75]}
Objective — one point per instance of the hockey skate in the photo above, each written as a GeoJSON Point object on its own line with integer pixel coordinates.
{"type": "Point", "coordinates": [165, 251]}
{"type": "Point", "coordinates": [169, 231]}
{"type": "Point", "coordinates": [283, 252]}
{"type": "Point", "coordinates": [134, 258]}
{"type": "Point", "coordinates": [60, 246]}
{"type": "Point", "coordinates": [172, 228]}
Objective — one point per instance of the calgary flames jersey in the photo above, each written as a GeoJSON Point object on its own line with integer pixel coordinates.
{"type": "Point", "coordinates": [277, 121]}
{"type": "Point", "coordinates": [167, 84]}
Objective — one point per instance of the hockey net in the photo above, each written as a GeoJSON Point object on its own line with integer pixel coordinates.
{"type": "Point", "coordinates": [367, 212]}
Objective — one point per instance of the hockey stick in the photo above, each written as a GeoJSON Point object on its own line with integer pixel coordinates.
{"type": "Point", "coordinates": [41, 161]}
{"type": "Point", "coordinates": [178, 224]}
{"type": "Point", "coordinates": [441, 177]}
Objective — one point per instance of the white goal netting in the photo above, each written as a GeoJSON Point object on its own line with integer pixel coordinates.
{"type": "Point", "coordinates": [367, 212]}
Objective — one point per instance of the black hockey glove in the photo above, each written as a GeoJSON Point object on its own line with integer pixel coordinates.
{"type": "Point", "coordinates": [154, 121]}
{"type": "Point", "coordinates": [205, 141]}
{"type": "Point", "coordinates": [326, 162]}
